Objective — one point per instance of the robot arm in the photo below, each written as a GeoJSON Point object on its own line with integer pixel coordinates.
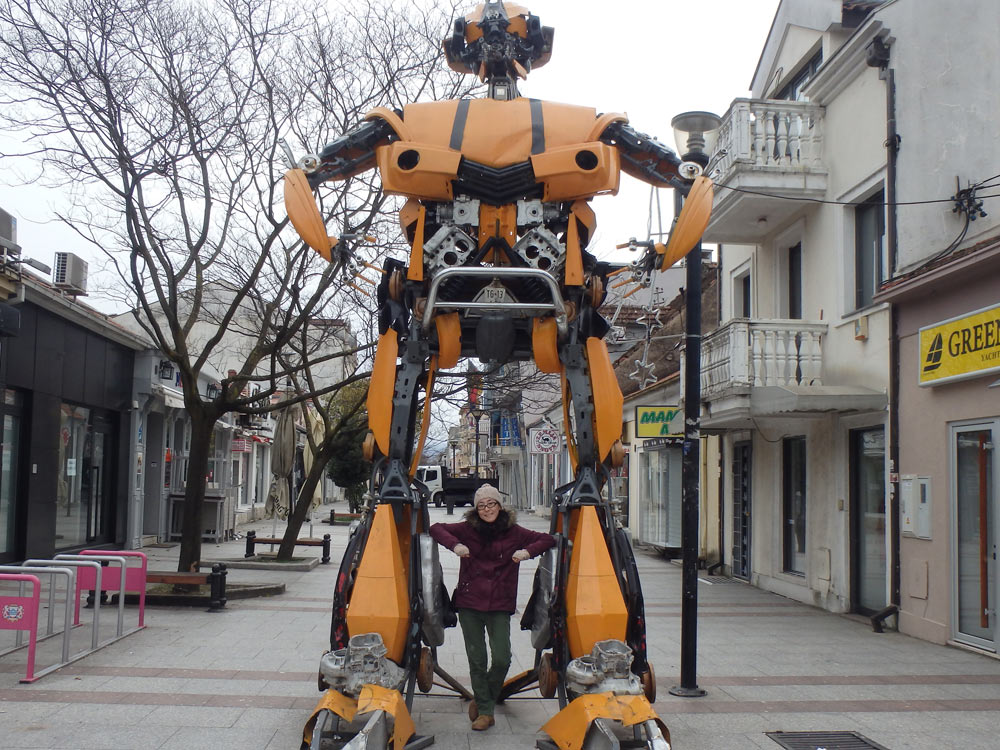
{"type": "Point", "coordinates": [644, 157]}
{"type": "Point", "coordinates": [351, 153]}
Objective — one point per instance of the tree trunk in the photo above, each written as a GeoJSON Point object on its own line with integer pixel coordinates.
{"type": "Point", "coordinates": [194, 491]}
{"type": "Point", "coordinates": [300, 508]}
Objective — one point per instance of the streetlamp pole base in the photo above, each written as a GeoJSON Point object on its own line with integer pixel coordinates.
{"type": "Point", "coordinates": [687, 692]}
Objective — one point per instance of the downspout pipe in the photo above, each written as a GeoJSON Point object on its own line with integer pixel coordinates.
{"type": "Point", "coordinates": [878, 56]}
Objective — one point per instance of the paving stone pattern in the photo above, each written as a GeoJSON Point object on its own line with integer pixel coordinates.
{"type": "Point", "coordinates": [245, 678]}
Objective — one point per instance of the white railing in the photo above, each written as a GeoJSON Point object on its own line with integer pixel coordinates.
{"type": "Point", "coordinates": [747, 353]}
{"type": "Point", "coordinates": [771, 133]}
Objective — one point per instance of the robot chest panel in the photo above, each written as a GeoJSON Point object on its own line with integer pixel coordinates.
{"type": "Point", "coordinates": [499, 152]}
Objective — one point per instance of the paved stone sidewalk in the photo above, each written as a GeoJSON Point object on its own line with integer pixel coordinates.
{"type": "Point", "coordinates": [245, 678]}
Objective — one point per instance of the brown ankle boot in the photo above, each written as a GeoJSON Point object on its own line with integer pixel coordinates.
{"type": "Point", "coordinates": [483, 721]}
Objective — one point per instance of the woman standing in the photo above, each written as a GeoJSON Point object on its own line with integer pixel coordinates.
{"type": "Point", "coordinates": [491, 545]}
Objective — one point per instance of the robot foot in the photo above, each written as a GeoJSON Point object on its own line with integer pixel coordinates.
{"type": "Point", "coordinates": [605, 721]}
{"type": "Point", "coordinates": [377, 720]}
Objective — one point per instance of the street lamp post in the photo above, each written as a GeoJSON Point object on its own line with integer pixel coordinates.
{"type": "Point", "coordinates": [695, 133]}
{"type": "Point", "coordinates": [477, 414]}
{"type": "Point", "coordinates": [454, 447]}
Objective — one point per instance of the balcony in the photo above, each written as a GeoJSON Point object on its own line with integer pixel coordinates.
{"type": "Point", "coordinates": [755, 369]}
{"type": "Point", "coordinates": [773, 147]}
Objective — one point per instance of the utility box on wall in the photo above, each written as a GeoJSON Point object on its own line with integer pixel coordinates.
{"type": "Point", "coordinates": [915, 506]}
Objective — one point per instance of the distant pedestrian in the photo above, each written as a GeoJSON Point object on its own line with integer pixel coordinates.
{"type": "Point", "coordinates": [491, 545]}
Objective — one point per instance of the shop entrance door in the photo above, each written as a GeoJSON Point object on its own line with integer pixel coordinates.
{"type": "Point", "coordinates": [976, 507]}
{"type": "Point", "coordinates": [742, 461]}
{"type": "Point", "coordinates": [868, 558]}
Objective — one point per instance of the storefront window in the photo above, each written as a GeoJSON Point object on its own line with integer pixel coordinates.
{"type": "Point", "coordinates": [73, 488]}
{"type": "Point", "coordinates": [659, 502]}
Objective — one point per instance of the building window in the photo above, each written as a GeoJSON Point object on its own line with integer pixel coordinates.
{"type": "Point", "coordinates": [869, 246]}
{"type": "Point", "coordinates": [742, 296]}
{"type": "Point", "coordinates": [794, 505]}
{"type": "Point", "coordinates": [795, 282]}
{"type": "Point", "coordinates": [792, 91]}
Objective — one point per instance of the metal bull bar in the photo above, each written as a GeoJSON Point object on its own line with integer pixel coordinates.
{"type": "Point", "coordinates": [556, 306]}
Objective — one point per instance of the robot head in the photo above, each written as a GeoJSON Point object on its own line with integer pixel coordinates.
{"type": "Point", "coordinates": [500, 42]}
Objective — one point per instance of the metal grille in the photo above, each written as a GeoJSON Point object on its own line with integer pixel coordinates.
{"type": "Point", "coordinates": [824, 741]}
{"type": "Point", "coordinates": [716, 580]}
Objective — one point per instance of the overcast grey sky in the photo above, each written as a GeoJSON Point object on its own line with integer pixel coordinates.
{"type": "Point", "coordinates": [641, 57]}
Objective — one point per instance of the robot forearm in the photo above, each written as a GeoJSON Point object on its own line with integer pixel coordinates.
{"type": "Point", "coordinates": [351, 153]}
{"type": "Point", "coordinates": [644, 157]}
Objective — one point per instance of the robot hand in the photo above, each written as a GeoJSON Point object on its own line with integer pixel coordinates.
{"type": "Point", "coordinates": [461, 550]}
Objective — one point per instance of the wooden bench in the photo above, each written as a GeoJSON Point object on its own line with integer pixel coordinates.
{"type": "Point", "coordinates": [253, 539]}
{"type": "Point", "coordinates": [216, 580]}
{"type": "Point", "coordinates": [334, 515]}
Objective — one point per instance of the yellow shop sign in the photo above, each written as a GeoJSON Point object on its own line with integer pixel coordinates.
{"type": "Point", "coordinates": [960, 348]}
{"type": "Point", "coordinates": [657, 421]}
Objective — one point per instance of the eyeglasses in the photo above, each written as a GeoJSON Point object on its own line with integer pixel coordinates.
{"type": "Point", "coordinates": [487, 506]}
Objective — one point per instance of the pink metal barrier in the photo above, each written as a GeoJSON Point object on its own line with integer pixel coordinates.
{"type": "Point", "coordinates": [135, 577]}
{"type": "Point", "coordinates": [21, 613]}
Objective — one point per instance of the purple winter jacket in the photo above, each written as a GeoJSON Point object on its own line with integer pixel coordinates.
{"type": "Point", "coordinates": [487, 578]}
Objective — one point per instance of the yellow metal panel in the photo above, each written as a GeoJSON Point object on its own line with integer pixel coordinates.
{"type": "Point", "coordinates": [394, 120]}
{"type": "Point", "coordinates": [333, 701]}
{"type": "Point", "coordinates": [544, 335]}
{"type": "Point", "coordinates": [498, 133]}
{"type": "Point", "coordinates": [601, 124]}
{"type": "Point", "coordinates": [381, 388]}
{"type": "Point", "coordinates": [577, 171]}
{"type": "Point", "coordinates": [375, 698]}
{"type": "Point", "coordinates": [608, 399]}
{"type": "Point", "coordinates": [449, 331]}
{"type": "Point", "coordinates": [595, 608]}
{"type": "Point", "coordinates": [568, 728]}
{"type": "Point", "coordinates": [691, 223]}
{"type": "Point", "coordinates": [303, 213]}
{"type": "Point", "coordinates": [379, 602]}
{"type": "Point", "coordinates": [586, 216]}
{"type": "Point", "coordinates": [497, 221]}
{"type": "Point", "coordinates": [574, 258]}
{"type": "Point", "coordinates": [416, 270]}
{"type": "Point", "coordinates": [417, 169]}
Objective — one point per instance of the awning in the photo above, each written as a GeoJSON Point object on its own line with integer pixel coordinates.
{"type": "Point", "coordinates": [172, 399]}
{"type": "Point", "coordinates": [812, 400]}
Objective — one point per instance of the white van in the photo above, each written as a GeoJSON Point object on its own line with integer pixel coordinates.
{"type": "Point", "coordinates": [433, 477]}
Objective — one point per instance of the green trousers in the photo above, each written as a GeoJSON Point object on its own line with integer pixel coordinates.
{"type": "Point", "coordinates": [476, 626]}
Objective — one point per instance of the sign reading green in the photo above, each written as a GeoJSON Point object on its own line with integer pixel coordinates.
{"type": "Point", "coordinates": [658, 421]}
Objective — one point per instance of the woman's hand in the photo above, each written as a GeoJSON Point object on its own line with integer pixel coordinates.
{"type": "Point", "coordinates": [461, 550]}
{"type": "Point", "coordinates": [520, 556]}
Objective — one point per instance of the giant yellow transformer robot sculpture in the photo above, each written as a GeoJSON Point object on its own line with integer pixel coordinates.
{"type": "Point", "coordinates": [498, 218]}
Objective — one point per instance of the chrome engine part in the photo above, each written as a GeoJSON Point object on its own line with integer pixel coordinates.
{"type": "Point", "coordinates": [541, 249]}
{"type": "Point", "coordinates": [363, 662]}
{"type": "Point", "coordinates": [606, 669]}
{"type": "Point", "coordinates": [449, 247]}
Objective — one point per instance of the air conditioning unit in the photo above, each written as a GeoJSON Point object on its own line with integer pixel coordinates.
{"type": "Point", "coordinates": [70, 273]}
{"type": "Point", "coordinates": [8, 226]}
{"type": "Point", "coordinates": [8, 238]}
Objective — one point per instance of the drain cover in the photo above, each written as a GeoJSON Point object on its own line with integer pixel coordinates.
{"type": "Point", "coordinates": [824, 741]}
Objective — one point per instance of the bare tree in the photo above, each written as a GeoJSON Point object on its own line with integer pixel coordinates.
{"type": "Point", "coordinates": [163, 119]}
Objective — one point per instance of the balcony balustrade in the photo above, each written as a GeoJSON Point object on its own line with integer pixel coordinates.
{"type": "Point", "coordinates": [774, 147]}
{"type": "Point", "coordinates": [744, 354]}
